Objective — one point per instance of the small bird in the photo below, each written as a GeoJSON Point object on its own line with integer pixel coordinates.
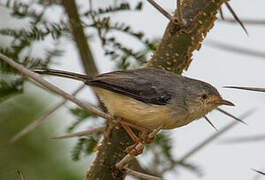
{"type": "Point", "coordinates": [149, 98]}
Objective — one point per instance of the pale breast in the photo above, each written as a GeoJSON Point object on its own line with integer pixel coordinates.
{"type": "Point", "coordinates": [146, 115]}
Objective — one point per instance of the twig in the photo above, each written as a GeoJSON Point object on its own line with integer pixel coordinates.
{"type": "Point", "coordinates": [233, 48]}
{"type": "Point", "coordinates": [235, 16]}
{"type": "Point", "coordinates": [130, 156]}
{"type": "Point", "coordinates": [81, 133]}
{"type": "Point", "coordinates": [20, 175]}
{"type": "Point", "coordinates": [247, 88]}
{"type": "Point", "coordinates": [207, 141]}
{"type": "Point", "coordinates": [36, 123]}
{"type": "Point", "coordinates": [230, 115]}
{"type": "Point", "coordinates": [89, 107]}
{"type": "Point", "coordinates": [141, 175]}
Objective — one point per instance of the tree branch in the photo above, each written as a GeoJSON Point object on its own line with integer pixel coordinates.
{"type": "Point", "coordinates": [175, 50]}
{"type": "Point", "coordinates": [174, 54]}
{"type": "Point", "coordinates": [89, 107]}
{"type": "Point", "coordinates": [80, 37]}
{"type": "Point", "coordinates": [141, 175]}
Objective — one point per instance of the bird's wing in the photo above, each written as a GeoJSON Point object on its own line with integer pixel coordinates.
{"type": "Point", "coordinates": [136, 84]}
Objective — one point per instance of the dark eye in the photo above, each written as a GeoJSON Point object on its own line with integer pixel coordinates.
{"type": "Point", "coordinates": [204, 96]}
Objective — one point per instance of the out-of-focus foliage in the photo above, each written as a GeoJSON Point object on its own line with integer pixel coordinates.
{"type": "Point", "coordinates": [124, 56]}
{"type": "Point", "coordinates": [22, 40]}
{"type": "Point", "coordinates": [36, 155]}
{"type": "Point", "coordinates": [85, 145]}
{"type": "Point", "coordinates": [80, 115]}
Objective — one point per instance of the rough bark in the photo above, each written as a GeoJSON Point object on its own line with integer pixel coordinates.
{"type": "Point", "coordinates": [178, 43]}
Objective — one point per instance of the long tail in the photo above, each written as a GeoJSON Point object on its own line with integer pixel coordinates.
{"type": "Point", "coordinates": [65, 74]}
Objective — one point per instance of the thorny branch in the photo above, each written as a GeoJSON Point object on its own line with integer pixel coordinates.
{"type": "Point", "coordinates": [89, 107]}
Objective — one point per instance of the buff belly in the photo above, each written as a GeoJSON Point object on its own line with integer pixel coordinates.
{"type": "Point", "coordinates": [145, 115]}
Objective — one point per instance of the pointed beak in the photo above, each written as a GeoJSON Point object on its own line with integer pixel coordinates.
{"type": "Point", "coordinates": [223, 102]}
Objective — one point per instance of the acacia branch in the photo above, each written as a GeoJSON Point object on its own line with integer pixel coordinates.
{"type": "Point", "coordinates": [89, 107]}
{"type": "Point", "coordinates": [173, 54]}
{"type": "Point", "coordinates": [175, 50]}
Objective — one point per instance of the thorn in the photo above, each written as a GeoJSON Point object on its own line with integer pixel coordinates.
{"type": "Point", "coordinates": [160, 9]}
{"type": "Point", "coordinates": [236, 17]}
{"type": "Point", "coordinates": [247, 88]}
{"type": "Point", "coordinates": [208, 120]}
{"type": "Point", "coordinates": [221, 14]}
{"type": "Point", "coordinates": [260, 172]}
{"type": "Point", "coordinates": [81, 133]}
{"type": "Point", "coordinates": [230, 115]}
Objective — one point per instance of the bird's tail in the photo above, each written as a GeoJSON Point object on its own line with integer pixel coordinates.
{"type": "Point", "coordinates": [65, 74]}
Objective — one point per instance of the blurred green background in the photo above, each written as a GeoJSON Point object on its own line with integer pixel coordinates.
{"type": "Point", "coordinates": [36, 155]}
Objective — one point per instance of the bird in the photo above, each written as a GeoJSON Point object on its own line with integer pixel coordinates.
{"type": "Point", "coordinates": [149, 98]}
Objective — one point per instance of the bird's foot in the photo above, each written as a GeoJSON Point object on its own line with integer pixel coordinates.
{"type": "Point", "coordinates": [135, 149]}
{"type": "Point", "coordinates": [148, 139]}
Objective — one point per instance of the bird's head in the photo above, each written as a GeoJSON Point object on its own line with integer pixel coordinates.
{"type": "Point", "coordinates": [202, 98]}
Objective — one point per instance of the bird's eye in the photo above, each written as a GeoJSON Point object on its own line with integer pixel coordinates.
{"type": "Point", "coordinates": [204, 96]}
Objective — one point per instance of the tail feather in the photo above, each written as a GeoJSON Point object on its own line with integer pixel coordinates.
{"type": "Point", "coordinates": [65, 74]}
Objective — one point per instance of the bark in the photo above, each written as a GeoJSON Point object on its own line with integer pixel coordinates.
{"type": "Point", "coordinates": [178, 43]}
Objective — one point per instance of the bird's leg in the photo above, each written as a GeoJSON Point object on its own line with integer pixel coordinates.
{"type": "Point", "coordinates": [144, 138]}
{"type": "Point", "coordinates": [134, 138]}
{"type": "Point", "coordinates": [130, 132]}
{"type": "Point", "coordinates": [135, 126]}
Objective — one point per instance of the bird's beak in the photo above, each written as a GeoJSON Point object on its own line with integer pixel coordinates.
{"type": "Point", "coordinates": [223, 102]}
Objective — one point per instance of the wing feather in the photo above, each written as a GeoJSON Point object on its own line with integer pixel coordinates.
{"type": "Point", "coordinates": [135, 84]}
